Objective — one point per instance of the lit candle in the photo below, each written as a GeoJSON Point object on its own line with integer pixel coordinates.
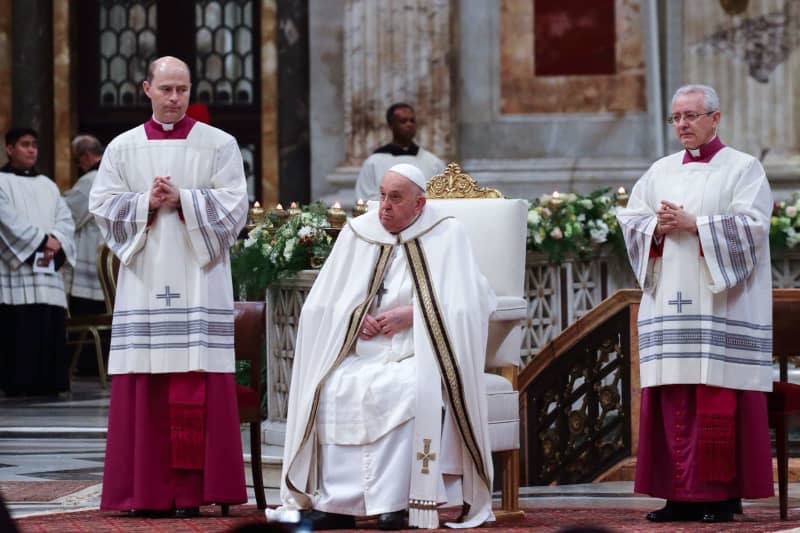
{"type": "Point", "coordinates": [622, 197]}
{"type": "Point", "coordinates": [336, 216]}
{"type": "Point", "coordinates": [280, 214]}
{"type": "Point", "coordinates": [294, 210]}
{"type": "Point", "coordinates": [360, 208]}
{"type": "Point", "coordinates": [255, 215]}
{"type": "Point", "coordinates": [556, 201]}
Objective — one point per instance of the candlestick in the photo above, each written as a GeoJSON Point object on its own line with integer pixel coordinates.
{"type": "Point", "coordinates": [360, 208]}
{"type": "Point", "coordinates": [279, 214]}
{"type": "Point", "coordinates": [336, 216]}
{"type": "Point", "coordinates": [622, 197]}
{"type": "Point", "coordinates": [255, 215]}
{"type": "Point", "coordinates": [294, 209]}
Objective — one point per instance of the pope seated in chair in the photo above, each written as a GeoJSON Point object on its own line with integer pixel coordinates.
{"type": "Point", "coordinates": [387, 409]}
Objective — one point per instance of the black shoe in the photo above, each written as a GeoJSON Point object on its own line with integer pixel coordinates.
{"type": "Point", "coordinates": [734, 505]}
{"type": "Point", "coordinates": [187, 512]}
{"type": "Point", "coordinates": [316, 520]}
{"type": "Point", "coordinates": [675, 512]}
{"type": "Point", "coordinates": [714, 512]}
{"type": "Point", "coordinates": [392, 521]}
{"type": "Point", "coordinates": [149, 513]}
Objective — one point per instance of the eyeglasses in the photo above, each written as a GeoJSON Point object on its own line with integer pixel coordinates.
{"type": "Point", "coordinates": [688, 117]}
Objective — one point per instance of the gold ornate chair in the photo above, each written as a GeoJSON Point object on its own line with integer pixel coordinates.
{"type": "Point", "coordinates": [91, 325]}
{"type": "Point", "coordinates": [497, 228]}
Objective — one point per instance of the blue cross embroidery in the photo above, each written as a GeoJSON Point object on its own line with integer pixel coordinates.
{"type": "Point", "coordinates": [680, 302]}
{"type": "Point", "coordinates": [168, 296]}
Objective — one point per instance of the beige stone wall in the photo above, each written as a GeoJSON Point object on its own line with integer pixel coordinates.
{"type": "Point", "coordinates": [408, 60]}
{"type": "Point", "coordinates": [753, 62]}
{"type": "Point", "coordinates": [521, 91]}
{"type": "Point", "coordinates": [5, 71]}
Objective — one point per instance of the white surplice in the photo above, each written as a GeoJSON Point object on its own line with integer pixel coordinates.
{"type": "Point", "coordinates": [706, 310]}
{"type": "Point", "coordinates": [382, 401]}
{"type": "Point", "coordinates": [31, 208]}
{"type": "Point", "coordinates": [174, 303]}
{"type": "Point", "coordinates": [376, 165]}
{"type": "Point", "coordinates": [82, 281]}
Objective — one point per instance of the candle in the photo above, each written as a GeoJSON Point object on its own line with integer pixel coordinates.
{"type": "Point", "coordinates": [336, 216]}
{"type": "Point", "coordinates": [294, 209]}
{"type": "Point", "coordinates": [360, 208]}
{"type": "Point", "coordinates": [279, 214]}
{"type": "Point", "coordinates": [255, 215]}
{"type": "Point", "coordinates": [556, 200]}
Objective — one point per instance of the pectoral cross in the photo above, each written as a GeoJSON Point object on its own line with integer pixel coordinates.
{"type": "Point", "coordinates": [425, 455]}
{"type": "Point", "coordinates": [679, 302]}
{"type": "Point", "coordinates": [168, 296]}
{"type": "Point", "coordinates": [381, 291]}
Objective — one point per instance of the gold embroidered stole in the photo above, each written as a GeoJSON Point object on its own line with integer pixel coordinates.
{"type": "Point", "coordinates": [443, 352]}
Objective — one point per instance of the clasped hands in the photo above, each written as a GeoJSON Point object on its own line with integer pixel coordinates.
{"type": "Point", "coordinates": [388, 323]}
{"type": "Point", "coordinates": [672, 217]}
{"type": "Point", "coordinates": [164, 193]}
{"type": "Point", "coordinates": [51, 248]}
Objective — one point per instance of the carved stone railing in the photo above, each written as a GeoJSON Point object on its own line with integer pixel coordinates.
{"type": "Point", "coordinates": [557, 296]}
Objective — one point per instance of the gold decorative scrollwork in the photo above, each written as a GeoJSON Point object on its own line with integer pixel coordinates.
{"type": "Point", "coordinates": [455, 183]}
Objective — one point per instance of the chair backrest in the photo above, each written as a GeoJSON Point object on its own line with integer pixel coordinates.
{"type": "Point", "coordinates": [249, 326]}
{"type": "Point", "coordinates": [107, 272]}
{"type": "Point", "coordinates": [497, 228]}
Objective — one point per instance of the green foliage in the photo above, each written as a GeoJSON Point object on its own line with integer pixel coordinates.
{"type": "Point", "coordinates": [573, 225]}
{"type": "Point", "coordinates": [270, 253]}
{"type": "Point", "coordinates": [784, 228]}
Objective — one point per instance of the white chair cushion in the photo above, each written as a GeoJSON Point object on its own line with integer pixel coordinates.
{"type": "Point", "coordinates": [503, 413]}
{"type": "Point", "coordinates": [510, 308]}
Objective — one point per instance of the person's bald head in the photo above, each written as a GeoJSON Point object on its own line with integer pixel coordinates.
{"type": "Point", "coordinates": [168, 85]}
{"type": "Point", "coordinates": [402, 201]}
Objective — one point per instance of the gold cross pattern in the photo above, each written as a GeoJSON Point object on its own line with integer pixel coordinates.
{"type": "Point", "coordinates": [425, 455]}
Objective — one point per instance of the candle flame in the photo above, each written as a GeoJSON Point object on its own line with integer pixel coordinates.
{"type": "Point", "coordinates": [337, 205]}
{"type": "Point", "coordinates": [256, 204]}
{"type": "Point", "coordinates": [556, 195]}
{"type": "Point", "coordinates": [360, 202]}
{"type": "Point", "coordinates": [621, 190]}
{"type": "Point", "coordinates": [293, 205]}
{"type": "Point", "coordinates": [279, 207]}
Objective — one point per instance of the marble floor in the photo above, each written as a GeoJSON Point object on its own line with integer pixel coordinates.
{"type": "Point", "coordinates": [62, 439]}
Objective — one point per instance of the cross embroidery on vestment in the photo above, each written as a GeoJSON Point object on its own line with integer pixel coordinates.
{"type": "Point", "coordinates": [425, 455]}
{"type": "Point", "coordinates": [168, 296]}
{"type": "Point", "coordinates": [381, 291]}
{"type": "Point", "coordinates": [680, 302]}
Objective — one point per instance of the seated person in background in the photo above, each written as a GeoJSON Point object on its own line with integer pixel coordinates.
{"type": "Point", "coordinates": [392, 335]}
{"type": "Point", "coordinates": [82, 284]}
{"type": "Point", "coordinates": [403, 124]}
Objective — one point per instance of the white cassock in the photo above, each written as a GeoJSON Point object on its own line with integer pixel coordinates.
{"type": "Point", "coordinates": [82, 281]}
{"type": "Point", "coordinates": [31, 208]}
{"type": "Point", "coordinates": [704, 319]}
{"type": "Point", "coordinates": [174, 302]}
{"type": "Point", "coordinates": [367, 415]}
{"type": "Point", "coordinates": [376, 165]}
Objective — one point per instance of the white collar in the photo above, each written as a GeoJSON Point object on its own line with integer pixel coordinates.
{"type": "Point", "coordinates": [167, 126]}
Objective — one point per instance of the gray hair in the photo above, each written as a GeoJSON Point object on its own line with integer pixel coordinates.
{"type": "Point", "coordinates": [84, 143]}
{"type": "Point", "coordinates": [710, 98]}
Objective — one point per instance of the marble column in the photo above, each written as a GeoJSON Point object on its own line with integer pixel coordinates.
{"type": "Point", "coordinates": [293, 102]}
{"type": "Point", "coordinates": [269, 103]}
{"type": "Point", "coordinates": [32, 67]}
{"type": "Point", "coordinates": [752, 60]}
{"type": "Point", "coordinates": [397, 51]}
{"type": "Point", "coordinates": [5, 70]}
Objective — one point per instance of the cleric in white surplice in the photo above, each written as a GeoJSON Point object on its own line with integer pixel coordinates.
{"type": "Point", "coordinates": [170, 199]}
{"type": "Point", "coordinates": [393, 331]}
{"type": "Point", "coordinates": [697, 228]}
